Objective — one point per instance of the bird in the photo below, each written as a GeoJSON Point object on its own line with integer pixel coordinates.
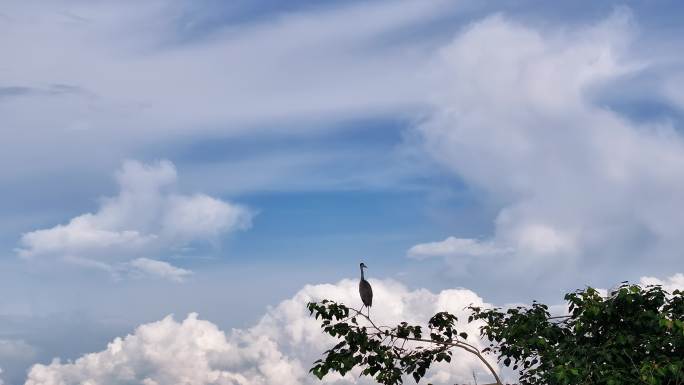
{"type": "Point", "coordinates": [365, 290]}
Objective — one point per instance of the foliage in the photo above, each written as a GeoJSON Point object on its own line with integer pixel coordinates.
{"type": "Point", "coordinates": [382, 351]}
{"type": "Point", "coordinates": [633, 336]}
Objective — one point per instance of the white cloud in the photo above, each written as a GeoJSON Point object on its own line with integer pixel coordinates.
{"type": "Point", "coordinates": [456, 247]}
{"type": "Point", "coordinates": [146, 266]}
{"type": "Point", "coordinates": [279, 349]}
{"type": "Point", "coordinates": [15, 349]}
{"type": "Point", "coordinates": [14, 354]}
{"type": "Point", "coordinates": [147, 218]}
{"type": "Point", "coordinates": [576, 182]}
{"type": "Point", "coordinates": [200, 216]}
{"type": "Point", "coordinates": [670, 284]}
{"type": "Point", "coordinates": [174, 84]}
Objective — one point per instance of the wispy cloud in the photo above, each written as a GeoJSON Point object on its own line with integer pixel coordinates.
{"type": "Point", "coordinates": [456, 247]}
{"type": "Point", "coordinates": [147, 267]}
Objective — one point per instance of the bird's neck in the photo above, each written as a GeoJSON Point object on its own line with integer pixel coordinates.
{"type": "Point", "coordinates": [362, 273]}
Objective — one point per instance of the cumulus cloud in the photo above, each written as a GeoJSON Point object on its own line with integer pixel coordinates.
{"type": "Point", "coordinates": [577, 183]}
{"type": "Point", "coordinates": [146, 218]}
{"type": "Point", "coordinates": [279, 349]}
{"type": "Point", "coordinates": [670, 284]}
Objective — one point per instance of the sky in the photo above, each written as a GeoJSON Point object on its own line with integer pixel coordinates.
{"type": "Point", "coordinates": [178, 178]}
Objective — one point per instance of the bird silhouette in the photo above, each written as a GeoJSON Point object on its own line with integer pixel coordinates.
{"type": "Point", "coordinates": [365, 290]}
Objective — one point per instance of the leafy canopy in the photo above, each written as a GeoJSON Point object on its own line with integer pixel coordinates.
{"type": "Point", "coordinates": [633, 336]}
{"type": "Point", "coordinates": [382, 351]}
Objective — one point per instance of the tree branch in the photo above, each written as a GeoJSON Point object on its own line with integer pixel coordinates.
{"type": "Point", "coordinates": [456, 344]}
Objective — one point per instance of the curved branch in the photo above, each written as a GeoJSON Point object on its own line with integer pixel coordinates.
{"type": "Point", "coordinates": [457, 344]}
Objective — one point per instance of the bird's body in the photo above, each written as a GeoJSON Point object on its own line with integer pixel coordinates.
{"type": "Point", "coordinates": [365, 290]}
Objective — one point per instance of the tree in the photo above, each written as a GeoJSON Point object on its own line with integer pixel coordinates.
{"type": "Point", "coordinates": [634, 335]}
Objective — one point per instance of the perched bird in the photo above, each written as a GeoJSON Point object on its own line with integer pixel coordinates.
{"type": "Point", "coordinates": [365, 290]}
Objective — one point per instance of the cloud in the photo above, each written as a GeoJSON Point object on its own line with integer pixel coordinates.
{"type": "Point", "coordinates": [579, 187]}
{"type": "Point", "coordinates": [146, 266]}
{"type": "Point", "coordinates": [14, 354]}
{"type": "Point", "coordinates": [455, 247]}
{"type": "Point", "coordinates": [225, 82]}
{"type": "Point", "coordinates": [15, 349]}
{"type": "Point", "coordinates": [670, 284]}
{"type": "Point", "coordinates": [279, 349]}
{"type": "Point", "coordinates": [146, 218]}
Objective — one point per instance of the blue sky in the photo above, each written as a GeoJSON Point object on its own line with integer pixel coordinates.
{"type": "Point", "coordinates": [169, 157]}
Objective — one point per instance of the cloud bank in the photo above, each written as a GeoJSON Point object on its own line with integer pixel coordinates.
{"type": "Point", "coordinates": [279, 349]}
{"type": "Point", "coordinates": [579, 186]}
{"type": "Point", "coordinates": [147, 218]}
